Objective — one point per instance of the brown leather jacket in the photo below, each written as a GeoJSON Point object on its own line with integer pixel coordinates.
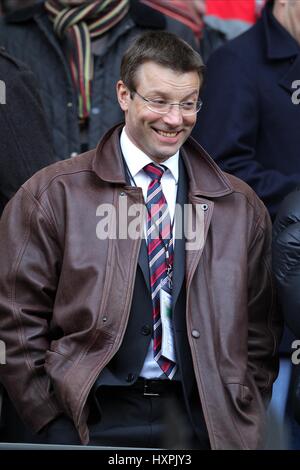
{"type": "Point", "coordinates": [57, 274]}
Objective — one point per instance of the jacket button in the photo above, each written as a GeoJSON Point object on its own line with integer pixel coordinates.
{"type": "Point", "coordinates": [204, 207]}
{"type": "Point", "coordinates": [122, 193]}
{"type": "Point", "coordinates": [195, 334]}
{"type": "Point", "coordinates": [130, 378]}
{"type": "Point", "coordinates": [70, 104]}
{"type": "Point", "coordinates": [146, 330]}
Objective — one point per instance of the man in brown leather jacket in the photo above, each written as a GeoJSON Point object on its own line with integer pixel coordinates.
{"type": "Point", "coordinates": [116, 324]}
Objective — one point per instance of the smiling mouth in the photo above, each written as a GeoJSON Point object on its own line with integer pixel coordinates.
{"type": "Point", "coordinates": [166, 133]}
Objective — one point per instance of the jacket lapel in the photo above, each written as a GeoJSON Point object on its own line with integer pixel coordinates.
{"type": "Point", "coordinates": [292, 74]}
{"type": "Point", "coordinates": [179, 251]}
{"type": "Point", "coordinates": [143, 263]}
{"type": "Point", "coordinates": [143, 255]}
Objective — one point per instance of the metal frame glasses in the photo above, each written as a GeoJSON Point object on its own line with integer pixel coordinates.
{"type": "Point", "coordinates": [160, 106]}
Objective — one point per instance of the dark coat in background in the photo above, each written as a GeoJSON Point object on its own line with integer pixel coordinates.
{"type": "Point", "coordinates": [249, 123]}
{"type": "Point", "coordinates": [286, 268]}
{"type": "Point", "coordinates": [28, 35]}
{"type": "Point", "coordinates": [25, 142]}
{"type": "Point", "coordinates": [286, 259]}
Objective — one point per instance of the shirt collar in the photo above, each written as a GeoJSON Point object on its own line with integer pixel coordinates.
{"type": "Point", "coordinates": [136, 159]}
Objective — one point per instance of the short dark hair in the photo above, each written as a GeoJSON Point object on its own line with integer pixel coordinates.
{"type": "Point", "coordinates": [164, 49]}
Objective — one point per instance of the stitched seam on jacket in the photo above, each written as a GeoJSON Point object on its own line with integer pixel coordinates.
{"type": "Point", "coordinates": [54, 177]}
{"type": "Point", "coordinates": [13, 301]}
{"type": "Point", "coordinates": [259, 233]}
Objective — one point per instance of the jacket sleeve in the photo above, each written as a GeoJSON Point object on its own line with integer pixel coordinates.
{"type": "Point", "coordinates": [264, 318]}
{"type": "Point", "coordinates": [286, 259]}
{"type": "Point", "coordinates": [28, 280]}
{"type": "Point", "coordinates": [228, 127]}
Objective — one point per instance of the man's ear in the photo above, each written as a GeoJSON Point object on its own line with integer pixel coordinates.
{"type": "Point", "coordinates": [123, 95]}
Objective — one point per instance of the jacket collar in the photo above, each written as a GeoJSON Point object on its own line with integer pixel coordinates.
{"type": "Point", "coordinates": [205, 177]}
{"type": "Point", "coordinates": [141, 15]}
{"type": "Point", "coordinates": [280, 44]}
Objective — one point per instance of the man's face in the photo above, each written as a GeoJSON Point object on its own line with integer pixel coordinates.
{"type": "Point", "coordinates": [287, 13]}
{"type": "Point", "coordinates": [159, 135]}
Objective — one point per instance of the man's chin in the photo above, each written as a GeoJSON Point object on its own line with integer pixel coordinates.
{"type": "Point", "coordinates": [162, 156]}
{"type": "Point", "coordinates": [165, 153]}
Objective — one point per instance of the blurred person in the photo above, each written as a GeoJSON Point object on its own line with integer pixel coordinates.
{"type": "Point", "coordinates": [249, 122]}
{"type": "Point", "coordinates": [25, 141]}
{"type": "Point", "coordinates": [213, 22]}
{"type": "Point", "coordinates": [74, 47]}
{"type": "Point", "coordinates": [190, 13]}
{"type": "Point", "coordinates": [286, 267]}
{"type": "Point", "coordinates": [286, 248]}
{"type": "Point", "coordinates": [248, 102]}
{"type": "Point", "coordinates": [109, 331]}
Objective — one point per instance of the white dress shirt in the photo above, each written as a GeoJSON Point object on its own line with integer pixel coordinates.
{"type": "Point", "coordinates": [136, 159]}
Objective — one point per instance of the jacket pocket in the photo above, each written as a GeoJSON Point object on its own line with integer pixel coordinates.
{"type": "Point", "coordinates": [240, 394]}
{"type": "Point", "coordinates": [247, 411]}
{"type": "Point", "coordinates": [57, 366]}
{"type": "Point", "coordinates": [240, 389]}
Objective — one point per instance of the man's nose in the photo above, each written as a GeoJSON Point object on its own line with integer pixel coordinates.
{"type": "Point", "coordinates": [174, 116]}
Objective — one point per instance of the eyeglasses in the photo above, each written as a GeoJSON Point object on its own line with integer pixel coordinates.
{"type": "Point", "coordinates": [160, 106]}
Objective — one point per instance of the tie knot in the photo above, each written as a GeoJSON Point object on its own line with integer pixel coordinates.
{"type": "Point", "coordinates": [154, 171]}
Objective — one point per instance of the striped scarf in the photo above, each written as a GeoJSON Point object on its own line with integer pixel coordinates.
{"type": "Point", "coordinates": [80, 24]}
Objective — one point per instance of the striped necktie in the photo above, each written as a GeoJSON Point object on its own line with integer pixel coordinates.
{"type": "Point", "coordinates": [160, 256]}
